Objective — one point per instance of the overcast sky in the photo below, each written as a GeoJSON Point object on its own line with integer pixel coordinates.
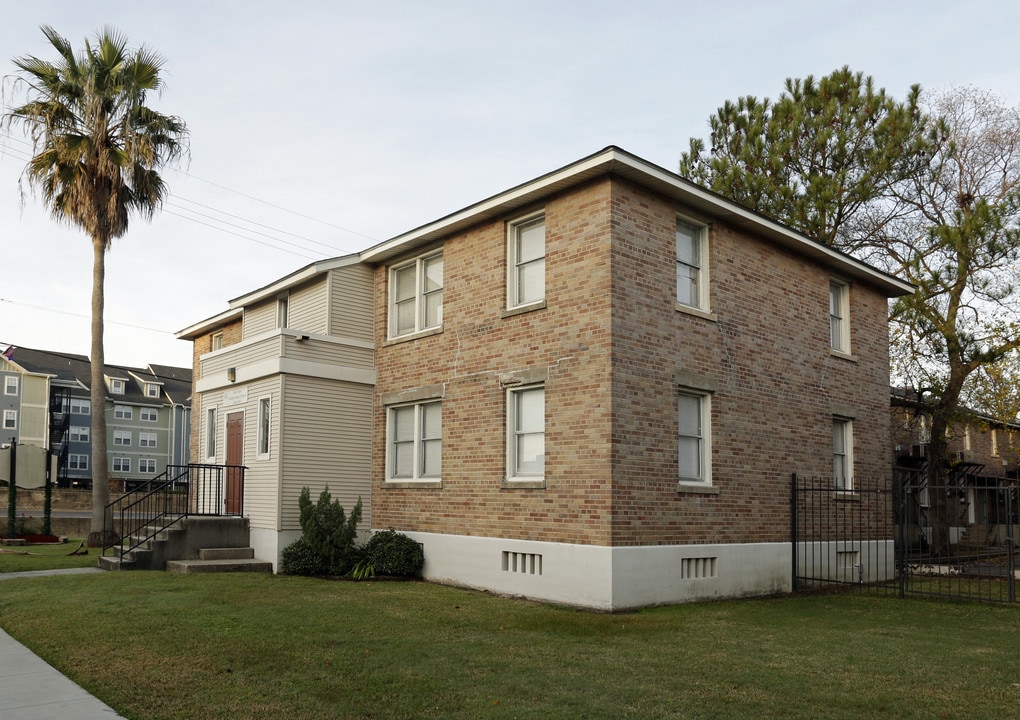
{"type": "Point", "coordinates": [337, 125]}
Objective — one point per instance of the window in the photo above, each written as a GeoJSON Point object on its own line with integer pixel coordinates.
{"type": "Point", "coordinates": [526, 261]}
{"type": "Point", "coordinates": [415, 446]}
{"type": "Point", "coordinates": [416, 296]}
{"type": "Point", "coordinates": [282, 311]}
{"type": "Point", "coordinates": [839, 324]}
{"type": "Point", "coordinates": [116, 386]}
{"type": "Point", "coordinates": [526, 437]}
{"type": "Point", "coordinates": [842, 453]}
{"type": "Point", "coordinates": [995, 442]}
{"type": "Point", "coordinates": [77, 462]}
{"type": "Point", "coordinates": [694, 452]}
{"type": "Point", "coordinates": [11, 385]}
{"type": "Point", "coordinates": [264, 417]}
{"type": "Point", "coordinates": [147, 439]}
{"type": "Point", "coordinates": [79, 433]}
{"type": "Point", "coordinates": [122, 438]}
{"type": "Point", "coordinates": [81, 406]}
{"type": "Point", "coordinates": [691, 270]}
{"type": "Point", "coordinates": [122, 464]}
{"type": "Point", "coordinates": [10, 419]}
{"type": "Point", "coordinates": [146, 466]}
{"type": "Point", "coordinates": [152, 390]}
{"type": "Point", "coordinates": [148, 414]}
{"type": "Point", "coordinates": [122, 412]}
{"type": "Point", "coordinates": [210, 433]}
{"type": "Point", "coordinates": [216, 341]}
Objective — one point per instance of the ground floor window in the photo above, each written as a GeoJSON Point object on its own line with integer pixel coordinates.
{"type": "Point", "coordinates": [414, 447]}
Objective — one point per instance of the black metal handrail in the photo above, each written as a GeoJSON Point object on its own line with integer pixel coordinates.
{"type": "Point", "coordinates": [163, 501]}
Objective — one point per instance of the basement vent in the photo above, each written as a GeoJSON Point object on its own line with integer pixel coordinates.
{"type": "Point", "coordinates": [525, 563]}
{"type": "Point", "coordinates": [693, 568]}
{"type": "Point", "coordinates": [848, 566]}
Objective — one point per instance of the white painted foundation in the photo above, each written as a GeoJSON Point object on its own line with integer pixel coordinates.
{"type": "Point", "coordinates": [607, 578]}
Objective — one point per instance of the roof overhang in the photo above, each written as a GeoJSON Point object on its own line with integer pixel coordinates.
{"type": "Point", "coordinates": [201, 328]}
{"type": "Point", "coordinates": [298, 277]}
{"type": "Point", "coordinates": [617, 162]}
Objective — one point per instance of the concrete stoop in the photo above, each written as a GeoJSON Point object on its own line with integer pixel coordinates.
{"type": "Point", "coordinates": [196, 544]}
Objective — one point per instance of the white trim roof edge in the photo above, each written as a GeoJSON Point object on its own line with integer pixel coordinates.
{"type": "Point", "coordinates": [193, 331]}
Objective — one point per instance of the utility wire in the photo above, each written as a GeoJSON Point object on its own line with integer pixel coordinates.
{"type": "Point", "coordinates": [79, 315]}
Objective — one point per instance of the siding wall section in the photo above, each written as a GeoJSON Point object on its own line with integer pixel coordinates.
{"type": "Point", "coordinates": [259, 319]}
{"type": "Point", "coordinates": [308, 309]}
{"type": "Point", "coordinates": [351, 303]}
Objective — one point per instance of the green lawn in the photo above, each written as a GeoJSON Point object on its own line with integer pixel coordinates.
{"type": "Point", "coordinates": [162, 645]}
{"type": "Point", "coordinates": [21, 558]}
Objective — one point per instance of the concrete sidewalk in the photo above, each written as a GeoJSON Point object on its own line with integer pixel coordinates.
{"type": "Point", "coordinates": [32, 690]}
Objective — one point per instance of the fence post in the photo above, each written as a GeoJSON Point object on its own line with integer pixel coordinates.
{"type": "Point", "coordinates": [793, 526]}
{"type": "Point", "coordinates": [899, 540]}
{"type": "Point", "coordinates": [12, 491]}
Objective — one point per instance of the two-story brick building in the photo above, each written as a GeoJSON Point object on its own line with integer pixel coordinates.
{"type": "Point", "coordinates": [593, 388]}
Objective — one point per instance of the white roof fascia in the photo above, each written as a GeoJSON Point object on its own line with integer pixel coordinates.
{"type": "Point", "coordinates": [295, 278]}
{"type": "Point", "coordinates": [193, 331]}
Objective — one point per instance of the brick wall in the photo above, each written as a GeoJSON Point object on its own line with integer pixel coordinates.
{"type": "Point", "coordinates": [611, 341]}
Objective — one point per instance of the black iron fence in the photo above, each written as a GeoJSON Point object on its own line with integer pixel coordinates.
{"type": "Point", "coordinates": [904, 536]}
{"type": "Point", "coordinates": [161, 502]}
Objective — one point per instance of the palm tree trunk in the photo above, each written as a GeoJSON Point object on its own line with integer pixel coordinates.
{"type": "Point", "coordinates": [100, 477]}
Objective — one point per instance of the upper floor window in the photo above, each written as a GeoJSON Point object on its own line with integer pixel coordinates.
{"type": "Point", "coordinates": [691, 268]}
{"type": "Point", "coordinates": [148, 414]}
{"type": "Point", "coordinates": [10, 419]}
{"type": "Point", "coordinates": [526, 433]}
{"type": "Point", "coordinates": [79, 433]}
{"type": "Point", "coordinates": [122, 437]}
{"type": "Point", "coordinates": [147, 439]}
{"type": "Point", "coordinates": [210, 433]}
{"type": "Point", "coordinates": [995, 442]}
{"type": "Point", "coordinates": [81, 406]}
{"type": "Point", "coordinates": [216, 341]}
{"type": "Point", "coordinates": [842, 453]}
{"type": "Point", "coordinates": [122, 412]}
{"type": "Point", "coordinates": [146, 465]}
{"type": "Point", "coordinates": [11, 385]}
{"type": "Point", "coordinates": [416, 295]}
{"type": "Point", "coordinates": [152, 390]}
{"type": "Point", "coordinates": [526, 261]}
{"type": "Point", "coordinates": [414, 447]}
{"type": "Point", "coordinates": [839, 316]}
{"type": "Point", "coordinates": [282, 311]}
{"type": "Point", "coordinates": [77, 462]}
{"type": "Point", "coordinates": [264, 418]}
{"type": "Point", "coordinates": [693, 422]}
{"type": "Point", "coordinates": [116, 386]}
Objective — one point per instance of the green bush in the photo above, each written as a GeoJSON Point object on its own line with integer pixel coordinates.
{"type": "Point", "coordinates": [327, 544]}
{"type": "Point", "coordinates": [392, 553]}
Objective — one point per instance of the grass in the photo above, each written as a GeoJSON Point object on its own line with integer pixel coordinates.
{"type": "Point", "coordinates": [22, 558]}
{"type": "Point", "coordinates": [158, 646]}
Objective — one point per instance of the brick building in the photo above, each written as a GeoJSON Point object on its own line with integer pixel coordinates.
{"type": "Point", "coordinates": [593, 388]}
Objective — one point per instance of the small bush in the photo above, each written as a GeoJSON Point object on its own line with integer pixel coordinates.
{"type": "Point", "coordinates": [393, 553]}
{"type": "Point", "coordinates": [328, 535]}
{"type": "Point", "coordinates": [299, 559]}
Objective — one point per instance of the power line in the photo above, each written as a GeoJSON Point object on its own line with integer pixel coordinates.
{"type": "Point", "coordinates": [79, 315]}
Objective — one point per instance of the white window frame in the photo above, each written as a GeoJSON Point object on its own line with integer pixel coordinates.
{"type": "Point", "coordinates": [697, 436]}
{"type": "Point", "coordinates": [283, 311]}
{"type": "Point", "coordinates": [123, 412]}
{"type": "Point", "coordinates": [144, 414]}
{"type": "Point", "coordinates": [423, 443]}
{"type": "Point", "coordinates": [122, 438]}
{"type": "Point", "coordinates": [692, 268]}
{"type": "Point", "coordinates": [80, 433]}
{"type": "Point", "coordinates": [117, 386]}
{"type": "Point", "coordinates": [210, 433]}
{"type": "Point", "coordinates": [152, 390]}
{"type": "Point", "coordinates": [516, 266]}
{"type": "Point", "coordinates": [10, 420]}
{"type": "Point", "coordinates": [147, 439]}
{"type": "Point", "coordinates": [516, 434]}
{"type": "Point", "coordinates": [216, 341]}
{"type": "Point", "coordinates": [994, 439]}
{"type": "Point", "coordinates": [81, 406]}
{"type": "Point", "coordinates": [77, 461]}
{"type": "Point", "coordinates": [421, 298]}
{"type": "Point", "coordinates": [843, 453]}
{"type": "Point", "coordinates": [839, 316]}
{"type": "Point", "coordinates": [11, 385]}
{"type": "Point", "coordinates": [265, 419]}
{"type": "Point", "coordinates": [121, 464]}
{"type": "Point", "coordinates": [144, 464]}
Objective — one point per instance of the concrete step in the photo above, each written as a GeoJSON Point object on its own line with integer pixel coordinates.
{"type": "Point", "coordinates": [241, 553]}
{"type": "Point", "coordinates": [218, 566]}
{"type": "Point", "coordinates": [111, 562]}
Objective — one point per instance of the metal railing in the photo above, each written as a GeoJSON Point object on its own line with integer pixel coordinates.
{"type": "Point", "coordinates": [162, 502]}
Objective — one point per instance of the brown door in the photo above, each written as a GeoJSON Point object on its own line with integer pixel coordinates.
{"type": "Point", "coordinates": [235, 458]}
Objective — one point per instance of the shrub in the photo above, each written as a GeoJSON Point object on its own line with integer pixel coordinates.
{"type": "Point", "coordinates": [392, 553]}
{"type": "Point", "coordinates": [328, 535]}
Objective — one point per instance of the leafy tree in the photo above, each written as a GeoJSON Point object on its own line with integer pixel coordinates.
{"type": "Point", "coordinates": [97, 149]}
{"type": "Point", "coordinates": [824, 157]}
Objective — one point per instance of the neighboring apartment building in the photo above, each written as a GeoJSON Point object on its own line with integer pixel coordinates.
{"type": "Point", "coordinates": [148, 415]}
{"type": "Point", "coordinates": [592, 388]}
{"type": "Point", "coordinates": [284, 383]}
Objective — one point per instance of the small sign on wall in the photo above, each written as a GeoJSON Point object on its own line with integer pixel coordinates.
{"type": "Point", "coordinates": [235, 396]}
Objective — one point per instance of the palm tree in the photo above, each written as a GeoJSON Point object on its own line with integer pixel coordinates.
{"type": "Point", "coordinates": [97, 150]}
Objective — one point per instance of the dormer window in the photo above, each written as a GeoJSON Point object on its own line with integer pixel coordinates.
{"type": "Point", "coordinates": [152, 390]}
{"type": "Point", "coordinates": [116, 386]}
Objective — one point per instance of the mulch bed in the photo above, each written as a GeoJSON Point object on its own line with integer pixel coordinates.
{"type": "Point", "coordinates": [36, 539]}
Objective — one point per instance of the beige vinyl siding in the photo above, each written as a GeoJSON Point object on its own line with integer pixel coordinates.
{"type": "Point", "coordinates": [259, 319]}
{"type": "Point", "coordinates": [242, 355]}
{"type": "Point", "coordinates": [331, 353]}
{"type": "Point", "coordinates": [307, 308]}
{"type": "Point", "coordinates": [34, 410]}
{"type": "Point", "coordinates": [351, 302]}
{"type": "Point", "coordinates": [326, 440]}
